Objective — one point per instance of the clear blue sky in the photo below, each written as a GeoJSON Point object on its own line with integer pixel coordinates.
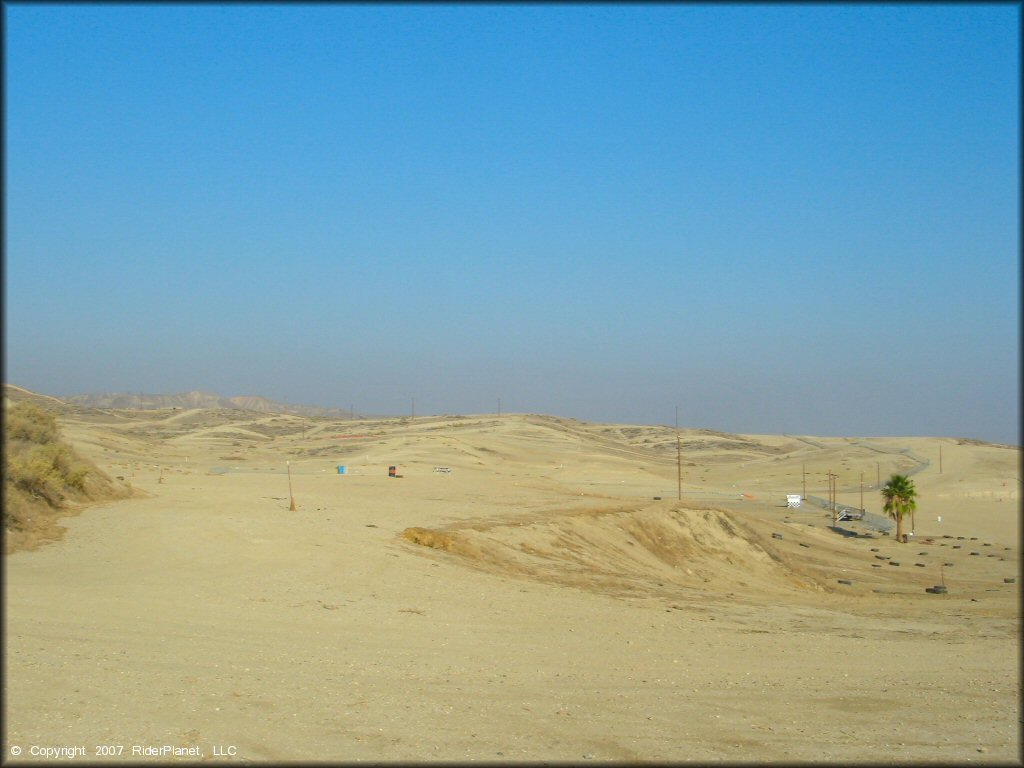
{"type": "Point", "coordinates": [781, 218]}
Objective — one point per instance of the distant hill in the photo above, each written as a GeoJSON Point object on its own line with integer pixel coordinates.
{"type": "Point", "coordinates": [143, 402]}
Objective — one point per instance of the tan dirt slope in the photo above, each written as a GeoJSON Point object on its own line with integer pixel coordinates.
{"type": "Point", "coordinates": [45, 480]}
{"type": "Point", "coordinates": [537, 602]}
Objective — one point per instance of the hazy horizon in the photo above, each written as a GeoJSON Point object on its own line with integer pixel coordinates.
{"type": "Point", "coordinates": [781, 219]}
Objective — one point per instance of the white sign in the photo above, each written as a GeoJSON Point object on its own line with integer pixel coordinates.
{"type": "Point", "coordinates": [792, 499]}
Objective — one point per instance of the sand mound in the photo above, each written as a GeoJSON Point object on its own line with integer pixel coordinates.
{"type": "Point", "coordinates": [622, 550]}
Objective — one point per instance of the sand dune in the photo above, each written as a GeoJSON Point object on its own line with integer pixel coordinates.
{"type": "Point", "coordinates": [535, 603]}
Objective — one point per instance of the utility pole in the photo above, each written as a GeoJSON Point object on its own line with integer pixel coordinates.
{"type": "Point", "coordinates": [803, 470]}
{"type": "Point", "coordinates": [832, 496]}
{"type": "Point", "coordinates": [835, 500]}
{"type": "Point", "coordinates": [940, 459]}
{"type": "Point", "coordinates": [414, 407]}
{"type": "Point", "coordinates": [679, 460]}
{"type": "Point", "coordinates": [831, 504]}
{"type": "Point", "coordinates": [861, 491]}
{"type": "Point", "coordinates": [499, 406]}
{"type": "Point", "coordinates": [878, 475]}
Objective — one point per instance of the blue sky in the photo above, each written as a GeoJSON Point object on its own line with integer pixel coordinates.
{"type": "Point", "coordinates": [781, 218]}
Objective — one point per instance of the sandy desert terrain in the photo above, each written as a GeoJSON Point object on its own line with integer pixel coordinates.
{"type": "Point", "coordinates": [548, 599]}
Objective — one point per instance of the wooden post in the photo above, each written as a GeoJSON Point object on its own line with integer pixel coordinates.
{"type": "Point", "coordinates": [290, 494]}
{"type": "Point", "coordinates": [803, 469]}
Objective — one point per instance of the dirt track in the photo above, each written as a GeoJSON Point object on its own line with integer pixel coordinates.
{"type": "Point", "coordinates": [565, 614]}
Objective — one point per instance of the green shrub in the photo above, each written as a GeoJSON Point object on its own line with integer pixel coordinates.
{"type": "Point", "coordinates": [41, 472]}
{"type": "Point", "coordinates": [34, 472]}
{"type": "Point", "coordinates": [76, 478]}
{"type": "Point", "coordinates": [24, 421]}
{"type": "Point", "coordinates": [37, 463]}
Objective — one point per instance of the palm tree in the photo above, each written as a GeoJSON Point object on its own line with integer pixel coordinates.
{"type": "Point", "coordinates": [900, 498]}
